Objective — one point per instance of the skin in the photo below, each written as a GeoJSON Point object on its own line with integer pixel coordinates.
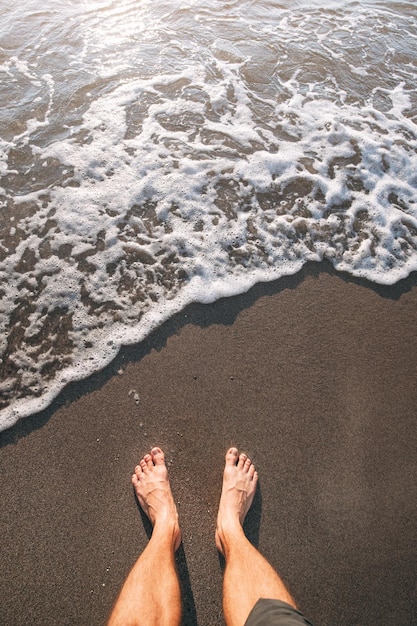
{"type": "Point", "coordinates": [147, 597]}
{"type": "Point", "coordinates": [151, 599]}
{"type": "Point", "coordinates": [248, 575]}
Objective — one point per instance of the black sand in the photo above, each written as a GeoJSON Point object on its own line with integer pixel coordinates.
{"type": "Point", "coordinates": [314, 376]}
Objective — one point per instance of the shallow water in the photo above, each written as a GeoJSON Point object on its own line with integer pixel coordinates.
{"type": "Point", "coordinates": [154, 154]}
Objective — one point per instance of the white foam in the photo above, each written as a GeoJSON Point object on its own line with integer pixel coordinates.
{"type": "Point", "coordinates": [191, 177]}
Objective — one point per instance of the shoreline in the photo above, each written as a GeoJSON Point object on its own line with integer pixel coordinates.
{"type": "Point", "coordinates": [221, 311]}
{"type": "Point", "coordinates": [313, 374]}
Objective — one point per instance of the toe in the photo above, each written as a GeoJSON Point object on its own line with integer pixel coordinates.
{"type": "Point", "coordinates": [247, 464]}
{"type": "Point", "coordinates": [143, 465]}
{"type": "Point", "coordinates": [148, 460]}
{"type": "Point", "coordinates": [135, 480]}
{"type": "Point", "coordinates": [158, 456]}
{"type": "Point", "coordinates": [232, 456]}
{"type": "Point", "coordinates": [251, 471]}
{"type": "Point", "coordinates": [242, 459]}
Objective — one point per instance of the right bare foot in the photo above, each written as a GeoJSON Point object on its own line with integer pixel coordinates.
{"type": "Point", "coordinates": [153, 490]}
{"type": "Point", "coordinates": [239, 486]}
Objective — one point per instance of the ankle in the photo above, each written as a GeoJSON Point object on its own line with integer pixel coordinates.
{"type": "Point", "coordinates": [167, 531]}
{"type": "Point", "coordinates": [228, 535]}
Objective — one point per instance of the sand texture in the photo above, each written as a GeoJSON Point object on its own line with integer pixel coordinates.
{"type": "Point", "coordinates": [313, 375]}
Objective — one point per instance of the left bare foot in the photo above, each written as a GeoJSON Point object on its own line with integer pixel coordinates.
{"type": "Point", "coordinates": [153, 490]}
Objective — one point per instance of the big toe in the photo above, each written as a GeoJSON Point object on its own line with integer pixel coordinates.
{"type": "Point", "coordinates": [158, 456]}
{"type": "Point", "coordinates": [231, 456]}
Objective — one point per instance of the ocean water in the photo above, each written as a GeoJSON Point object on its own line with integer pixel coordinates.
{"type": "Point", "coordinates": [158, 153]}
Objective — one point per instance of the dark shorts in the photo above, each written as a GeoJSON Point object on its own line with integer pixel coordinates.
{"type": "Point", "coordinates": [275, 613]}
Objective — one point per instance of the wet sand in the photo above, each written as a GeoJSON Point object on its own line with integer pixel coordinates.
{"type": "Point", "coordinates": [313, 375]}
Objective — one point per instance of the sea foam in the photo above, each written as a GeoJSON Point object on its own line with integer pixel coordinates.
{"type": "Point", "coordinates": [193, 156]}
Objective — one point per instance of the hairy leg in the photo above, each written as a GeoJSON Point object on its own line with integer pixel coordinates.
{"type": "Point", "coordinates": [248, 575]}
{"type": "Point", "coordinates": [150, 595]}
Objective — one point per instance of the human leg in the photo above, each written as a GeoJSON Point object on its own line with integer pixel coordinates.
{"type": "Point", "coordinates": [248, 575]}
{"type": "Point", "coordinates": [150, 595]}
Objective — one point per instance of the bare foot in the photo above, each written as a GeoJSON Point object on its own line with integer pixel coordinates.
{"type": "Point", "coordinates": [153, 490]}
{"type": "Point", "coordinates": [239, 486]}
